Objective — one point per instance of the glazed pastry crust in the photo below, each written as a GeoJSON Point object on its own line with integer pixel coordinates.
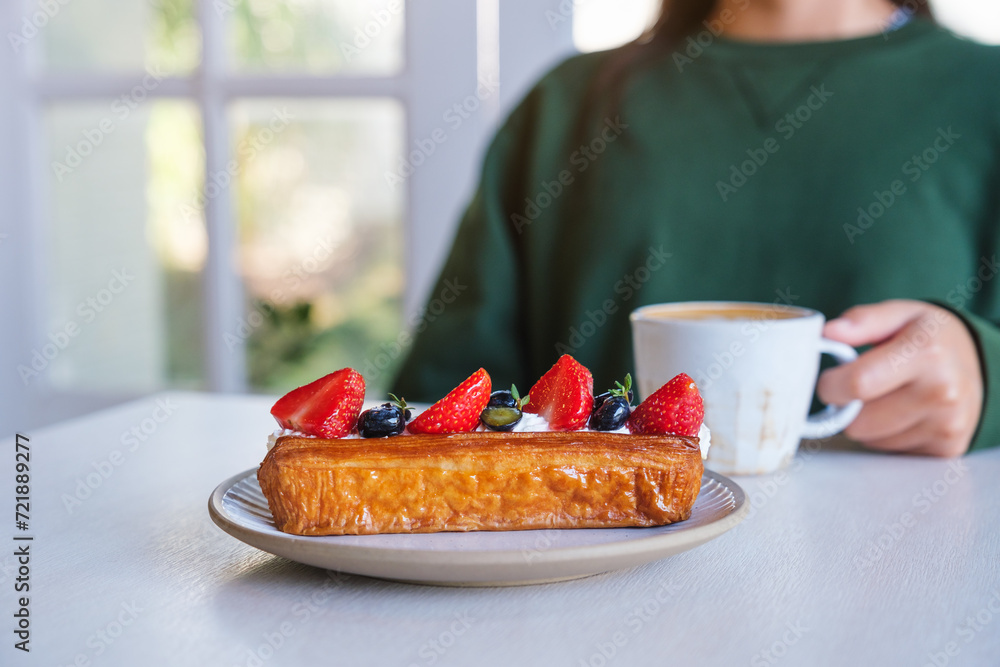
{"type": "Point", "coordinates": [479, 481]}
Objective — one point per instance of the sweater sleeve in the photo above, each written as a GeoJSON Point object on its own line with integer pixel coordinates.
{"type": "Point", "coordinates": [472, 318]}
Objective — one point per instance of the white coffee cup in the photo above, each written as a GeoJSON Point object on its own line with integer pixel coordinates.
{"type": "Point", "coordinates": [755, 365]}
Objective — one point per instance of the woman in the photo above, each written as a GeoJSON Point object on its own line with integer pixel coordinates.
{"type": "Point", "coordinates": [791, 151]}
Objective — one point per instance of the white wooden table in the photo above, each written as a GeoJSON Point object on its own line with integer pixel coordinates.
{"type": "Point", "coordinates": [848, 558]}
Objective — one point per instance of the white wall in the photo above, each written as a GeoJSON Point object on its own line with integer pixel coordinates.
{"type": "Point", "coordinates": [440, 185]}
{"type": "Point", "coordinates": [534, 36]}
{"type": "Point", "coordinates": [441, 188]}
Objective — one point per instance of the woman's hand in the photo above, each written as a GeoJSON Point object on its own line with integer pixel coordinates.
{"type": "Point", "coordinates": [921, 382]}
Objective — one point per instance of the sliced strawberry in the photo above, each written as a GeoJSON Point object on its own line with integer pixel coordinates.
{"type": "Point", "coordinates": [459, 411]}
{"type": "Point", "coordinates": [564, 395]}
{"type": "Point", "coordinates": [328, 407]}
{"type": "Point", "coordinates": [675, 408]}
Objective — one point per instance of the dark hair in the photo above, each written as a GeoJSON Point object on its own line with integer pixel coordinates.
{"type": "Point", "coordinates": [675, 20]}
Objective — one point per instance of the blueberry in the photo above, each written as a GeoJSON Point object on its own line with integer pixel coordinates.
{"type": "Point", "coordinates": [599, 400]}
{"type": "Point", "coordinates": [611, 414]}
{"type": "Point", "coordinates": [381, 422]}
{"type": "Point", "coordinates": [622, 389]}
{"type": "Point", "coordinates": [502, 399]}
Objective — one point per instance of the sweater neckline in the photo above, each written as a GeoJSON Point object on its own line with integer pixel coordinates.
{"type": "Point", "coordinates": [726, 47]}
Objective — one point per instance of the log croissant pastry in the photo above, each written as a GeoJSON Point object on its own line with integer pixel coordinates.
{"type": "Point", "coordinates": [479, 481]}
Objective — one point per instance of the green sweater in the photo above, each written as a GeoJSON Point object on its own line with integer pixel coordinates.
{"type": "Point", "coordinates": [822, 174]}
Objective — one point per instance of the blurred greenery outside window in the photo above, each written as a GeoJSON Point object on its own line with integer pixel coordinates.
{"type": "Point", "coordinates": [320, 235]}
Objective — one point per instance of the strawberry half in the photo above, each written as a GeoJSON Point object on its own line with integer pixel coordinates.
{"type": "Point", "coordinates": [675, 408]}
{"type": "Point", "coordinates": [459, 411]}
{"type": "Point", "coordinates": [328, 407]}
{"type": "Point", "coordinates": [564, 395]}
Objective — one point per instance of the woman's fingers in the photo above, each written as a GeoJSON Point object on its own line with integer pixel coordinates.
{"type": "Point", "coordinates": [879, 371]}
{"type": "Point", "coordinates": [873, 323]}
{"type": "Point", "coordinates": [889, 415]}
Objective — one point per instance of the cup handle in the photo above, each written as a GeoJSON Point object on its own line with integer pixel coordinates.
{"type": "Point", "coordinates": [833, 419]}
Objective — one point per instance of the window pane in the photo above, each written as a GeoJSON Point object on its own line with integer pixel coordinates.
{"type": "Point", "coordinates": [126, 247]}
{"type": "Point", "coordinates": [605, 24]}
{"type": "Point", "coordinates": [316, 36]}
{"type": "Point", "coordinates": [321, 237]}
{"type": "Point", "coordinates": [161, 36]}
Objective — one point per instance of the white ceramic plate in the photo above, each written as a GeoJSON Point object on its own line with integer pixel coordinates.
{"type": "Point", "coordinates": [502, 558]}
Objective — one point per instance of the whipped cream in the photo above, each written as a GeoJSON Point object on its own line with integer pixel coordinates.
{"type": "Point", "coordinates": [704, 439]}
{"type": "Point", "coordinates": [532, 423]}
{"type": "Point", "coordinates": [273, 438]}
